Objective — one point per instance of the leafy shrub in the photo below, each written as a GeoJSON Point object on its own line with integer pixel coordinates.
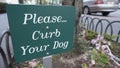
{"type": "Point", "coordinates": [2, 7]}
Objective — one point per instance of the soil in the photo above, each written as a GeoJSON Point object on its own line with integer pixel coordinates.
{"type": "Point", "coordinates": [74, 60]}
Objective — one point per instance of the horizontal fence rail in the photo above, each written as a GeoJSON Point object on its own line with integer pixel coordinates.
{"type": "Point", "coordinates": [102, 26]}
{"type": "Point", "coordinates": [7, 58]}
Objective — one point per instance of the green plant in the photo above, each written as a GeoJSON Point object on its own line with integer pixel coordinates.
{"type": "Point", "coordinates": [101, 53]}
{"type": "Point", "coordinates": [90, 34]}
{"type": "Point", "coordinates": [109, 37]}
{"type": "Point", "coordinates": [101, 59]}
{"type": "Point", "coordinates": [2, 7]}
{"type": "Point", "coordinates": [84, 65]}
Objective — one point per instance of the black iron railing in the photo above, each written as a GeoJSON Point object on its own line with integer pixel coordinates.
{"type": "Point", "coordinates": [7, 57]}
{"type": "Point", "coordinates": [102, 26]}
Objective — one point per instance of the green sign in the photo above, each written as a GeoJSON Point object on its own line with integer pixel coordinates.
{"type": "Point", "coordinates": [39, 31]}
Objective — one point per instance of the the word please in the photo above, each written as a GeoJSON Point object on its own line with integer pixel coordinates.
{"type": "Point", "coordinates": [41, 19]}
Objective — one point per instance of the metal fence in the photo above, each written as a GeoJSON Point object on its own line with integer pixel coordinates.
{"type": "Point", "coordinates": [6, 53]}
{"type": "Point", "coordinates": [102, 26]}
